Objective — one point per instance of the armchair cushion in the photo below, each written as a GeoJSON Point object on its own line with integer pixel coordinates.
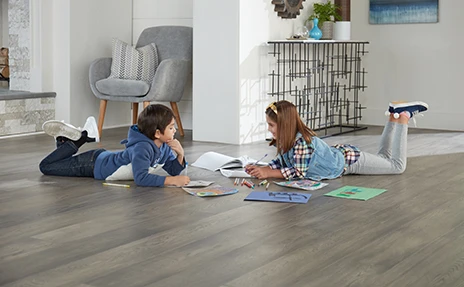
{"type": "Point", "coordinates": [122, 88]}
{"type": "Point", "coordinates": [134, 64]}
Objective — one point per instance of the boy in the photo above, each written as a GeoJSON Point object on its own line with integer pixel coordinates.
{"type": "Point", "coordinates": [149, 142]}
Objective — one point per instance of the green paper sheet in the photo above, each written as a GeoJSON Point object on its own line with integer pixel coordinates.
{"type": "Point", "coordinates": [355, 192]}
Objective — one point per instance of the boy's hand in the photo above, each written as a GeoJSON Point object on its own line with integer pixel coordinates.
{"type": "Point", "coordinates": [177, 147]}
{"type": "Point", "coordinates": [179, 180]}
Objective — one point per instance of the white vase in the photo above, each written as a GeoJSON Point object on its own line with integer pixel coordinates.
{"type": "Point", "coordinates": [342, 30]}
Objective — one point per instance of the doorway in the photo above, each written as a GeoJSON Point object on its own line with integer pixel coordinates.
{"type": "Point", "coordinates": [15, 35]}
{"type": "Point", "coordinates": [4, 51]}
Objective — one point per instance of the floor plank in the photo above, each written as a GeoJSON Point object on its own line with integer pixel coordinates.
{"type": "Point", "coordinates": [59, 231]}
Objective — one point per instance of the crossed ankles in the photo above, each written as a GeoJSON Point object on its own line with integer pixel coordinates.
{"type": "Point", "coordinates": [409, 109]}
{"type": "Point", "coordinates": [65, 132]}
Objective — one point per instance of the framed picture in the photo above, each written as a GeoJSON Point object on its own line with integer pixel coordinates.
{"type": "Point", "coordinates": [403, 11]}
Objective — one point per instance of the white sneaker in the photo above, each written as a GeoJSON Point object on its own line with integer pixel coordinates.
{"type": "Point", "coordinates": [91, 128]}
{"type": "Point", "coordinates": [58, 128]}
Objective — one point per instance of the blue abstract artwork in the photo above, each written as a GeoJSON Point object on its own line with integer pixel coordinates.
{"type": "Point", "coordinates": [403, 11]}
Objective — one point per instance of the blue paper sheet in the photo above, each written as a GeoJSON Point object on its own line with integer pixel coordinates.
{"type": "Point", "coordinates": [279, 196]}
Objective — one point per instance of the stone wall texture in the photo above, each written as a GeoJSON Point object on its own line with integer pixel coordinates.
{"type": "Point", "coordinates": [25, 115]}
{"type": "Point", "coordinates": [19, 42]}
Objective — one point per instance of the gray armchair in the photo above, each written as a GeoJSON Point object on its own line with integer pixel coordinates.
{"type": "Point", "coordinates": [174, 45]}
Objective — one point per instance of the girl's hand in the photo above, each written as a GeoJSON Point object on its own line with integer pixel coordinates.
{"type": "Point", "coordinates": [263, 172]}
{"type": "Point", "coordinates": [257, 171]}
{"type": "Point", "coordinates": [179, 180]}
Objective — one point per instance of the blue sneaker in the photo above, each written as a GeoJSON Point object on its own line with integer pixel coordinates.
{"type": "Point", "coordinates": [413, 108]}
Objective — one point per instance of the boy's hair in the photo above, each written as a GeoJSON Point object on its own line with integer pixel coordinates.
{"type": "Point", "coordinates": [289, 124]}
{"type": "Point", "coordinates": [154, 117]}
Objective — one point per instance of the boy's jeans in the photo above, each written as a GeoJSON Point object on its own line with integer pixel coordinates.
{"type": "Point", "coordinates": [62, 162]}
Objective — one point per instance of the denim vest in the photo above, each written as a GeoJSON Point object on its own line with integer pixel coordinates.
{"type": "Point", "coordinates": [326, 162]}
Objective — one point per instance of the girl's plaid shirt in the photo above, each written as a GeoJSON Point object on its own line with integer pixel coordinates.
{"type": "Point", "coordinates": [302, 157]}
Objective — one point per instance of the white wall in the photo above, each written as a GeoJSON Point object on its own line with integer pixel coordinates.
{"type": "Point", "coordinates": [71, 35]}
{"type": "Point", "coordinates": [4, 23]}
{"type": "Point", "coordinates": [259, 23]}
{"type": "Point", "coordinates": [92, 31]}
{"type": "Point", "coordinates": [414, 62]}
{"type": "Point", "coordinates": [149, 13]}
{"type": "Point", "coordinates": [61, 59]}
{"type": "Point", "coordinates": [230, 67]}
{"type": "Point", "coordinates": [216, 71]}
{"type": "Point", "coordinates": [2, 20]}
{"type": "Point", "coordinates": [42, 45]}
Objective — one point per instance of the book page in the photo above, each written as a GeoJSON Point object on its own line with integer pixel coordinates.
{"type": "Point", "coordinates": [195, 183]}
{"type": "Point", "coordinates": [234, 173]}
{"type": "Point", "coordinates": [304, 184]}
{"type": "Point", "coordinates": [213, 161]}
{"type": "Point", "coordinates": [199, 183]}
{"type": "Point", "coordinates": [214, 190]}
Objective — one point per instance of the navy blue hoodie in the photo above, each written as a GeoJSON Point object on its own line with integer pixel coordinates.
{"type": "Point", "coordinates": [142, 153]}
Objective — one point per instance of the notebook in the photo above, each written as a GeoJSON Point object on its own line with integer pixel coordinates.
{"type": "Point", "coordinates": [355, 192]}
{"type": "Point", "coordinates": [279, 196]}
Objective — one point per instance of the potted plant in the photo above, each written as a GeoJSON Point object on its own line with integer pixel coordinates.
{"type": "Point", "coordinates": [326, 13]}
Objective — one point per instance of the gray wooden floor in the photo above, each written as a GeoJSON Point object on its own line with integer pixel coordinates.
{"type": "Point", "coordinates": [57, 231]}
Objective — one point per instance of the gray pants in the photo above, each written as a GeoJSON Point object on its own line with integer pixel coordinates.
{"type": "Point", "coordinates": [391, 158]}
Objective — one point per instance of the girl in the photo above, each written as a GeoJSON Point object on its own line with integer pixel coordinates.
{"type": "Point", "coordinates": [300, 154]}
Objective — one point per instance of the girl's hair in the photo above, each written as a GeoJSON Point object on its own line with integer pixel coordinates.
{"type": "Point", "coordinates": [152, 118]}
{"type": "Point", "coordinates": [289, 123]}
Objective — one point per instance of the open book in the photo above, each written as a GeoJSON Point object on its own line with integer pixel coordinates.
{"type": "Point", "coordinates": [214, 161]}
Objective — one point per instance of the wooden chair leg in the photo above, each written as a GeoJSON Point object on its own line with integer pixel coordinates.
{"type": "Point", "coordinates": [146, 104]}
{"type": "Point", "coordinates": [135, 112]}
{"type": "Point", "coordinates": [101, 116]}
{"type": "Point", "coordinates": [179, 122]}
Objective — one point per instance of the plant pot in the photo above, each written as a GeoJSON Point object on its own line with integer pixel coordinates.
{"type": "Point", "coordinates": [327, 30]}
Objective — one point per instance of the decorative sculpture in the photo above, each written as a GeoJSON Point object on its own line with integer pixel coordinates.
{"type": "Point", "coordinates": [288, 8]}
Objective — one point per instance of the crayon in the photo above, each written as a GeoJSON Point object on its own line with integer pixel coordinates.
{"type": "Point", "coordinates": [260, 159]}
{"type": "Point", "coordinates": [267, 185]}
{"type": "Point", "coordinates": [263, 182]}
{"type": "Point", "coordinates": [252, 184]}
{"type": "Point", "coordinates": [115, 184]}
{"type": "Point", "coordinates": [247, 183]}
